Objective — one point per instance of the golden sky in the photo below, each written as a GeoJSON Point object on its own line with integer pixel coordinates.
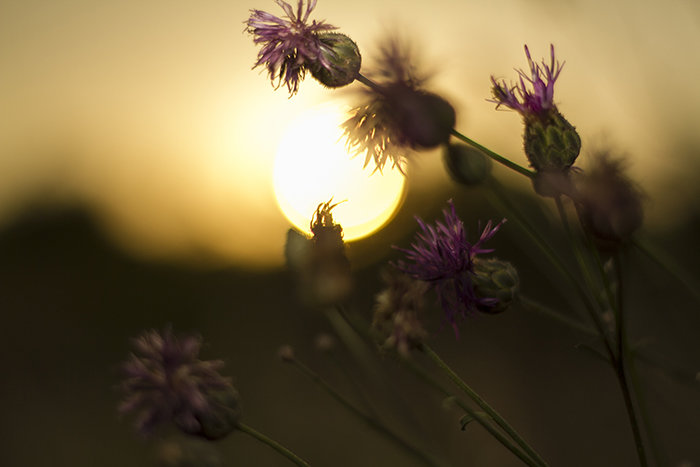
{"type": "Point", "coordinates": [149, 111]}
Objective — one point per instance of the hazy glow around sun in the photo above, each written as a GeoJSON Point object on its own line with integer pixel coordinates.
{"type": "Point", "coordinates": [313, 166]}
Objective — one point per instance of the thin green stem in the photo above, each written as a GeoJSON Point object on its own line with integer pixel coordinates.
{"type": "Point", "coordinates": [483, 421]}
{"type": "Point", "coordinates": [624, 371]}
{"type": "Point", "coordinates": [532, 305]}
{"type": "Point", "coordinates": [495, 156]}
{"type": "Point", "coordinates": [374, 423]}
{"type": "Point", "coordinates": [273, 444]}
{"type": "Point", "coordinates": [500, 421]}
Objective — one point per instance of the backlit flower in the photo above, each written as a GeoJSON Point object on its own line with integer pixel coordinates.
{"type": "Point", "coordinates": [291, 46]}
{"type": "Point", "coordinates": [442, 256]}
{"type": "Point", "coordinates": [397, 115]}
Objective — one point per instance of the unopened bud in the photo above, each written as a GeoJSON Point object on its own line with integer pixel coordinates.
{"type": "Point", "coordinates": [343, 58]}
{"type": "Point", "coordinates": [466, 164]}
{"type": "Point", "coordinates": [496, 284]}
{"type": "Point", "coordinates": [551, 142]}
{"type": "Point", "coordinates": [221, 417]}
{"type": "Point", "coordinates": [286, 353]}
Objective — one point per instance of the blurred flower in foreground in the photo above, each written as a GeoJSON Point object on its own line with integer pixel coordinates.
{"type": "Point", "coordinates": [442, 256]}
{"type": "Point", "coordinates": [396, 311]}
{"type": "Point", "coordinates": [551, 142]}
{"type": "Point", "coordinates": [167, 382]}
{"type": "Point", "coordinates": [291, 47]}
{"type": "Point", "coordinates": [609, 204]}
{"type": "Point", "coordinates": [320, 261]}
{"type": "Point", "coordinates": [397, 115]}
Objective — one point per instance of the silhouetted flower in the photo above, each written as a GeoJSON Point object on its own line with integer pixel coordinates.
{"type": "Point", "coordinates": [320, 261]}
{"type": "Point", "coordinates": [167, 382]}
{"type": "Point", "coordinates": [609, 204]}
{"type": "Point", "coordinates": [292, 46]}
{"type": "Point", "coordinates": [442, 256]}
{"type": "Point", "coordinates": [551, 142]}
{"type": "Point", "coordinates": [397, 114]}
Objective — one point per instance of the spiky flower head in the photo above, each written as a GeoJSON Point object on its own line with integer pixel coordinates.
{"type": "Point", "coordinates": [396, 311]}
{"type": "Point", "coordinates": [293, 46]}
{"type": "Point", "coordinates": [442, 256]}
{"type": "Point", "coordinates": [551, 142]}
{"type": "Point", "coordinates": [166, 381]}
{"type": "Point", "coordinates": [397, 115]}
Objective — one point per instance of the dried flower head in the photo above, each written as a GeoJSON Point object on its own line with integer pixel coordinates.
{"type": "Point", "coordinates": [551, 142]}
{"type": "Point", "coordinates": [289, 46]}
{"type": "Point", "coordinates": [165, 381]}
{"type": "Point", "coordinates": [397, 115]}
{"type": "Point", "coordinates": [609, 204]}
{"type": "Point", "coordinates": [396, 312]}
{"type": "Point", "coordinates": [442, 256]}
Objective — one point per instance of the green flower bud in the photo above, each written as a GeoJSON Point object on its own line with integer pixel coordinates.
{"type": "Point", "coordinates": [551, 142]}
{"type": "Point", "coordinates": [342, 57]}
{"type": "Point", "coordinates": [466, 164]}
{"type": "Point", "coordinates": [495, 279]}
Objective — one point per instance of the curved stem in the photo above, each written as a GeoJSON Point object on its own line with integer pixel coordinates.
{"type": "Point", "coordinates": [273, 444]}
{"type": "Point", "coordinates": [483, 421]}
{"type": "Point", "coordinates": [500, 421]}
{"type": "Point", "coordinates": [495, 156]}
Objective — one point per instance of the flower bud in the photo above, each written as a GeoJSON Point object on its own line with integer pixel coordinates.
{"type": "Point", "coordinates": [424, 120]}
{"type": "Point", "coordinates": [342, 59]}
{"type": "Point", "coordinates": [466, 164]}
{"type": "Point", "coordinates": [497, 280]}
{"type": "Point", "coordinates": [551, 142]}
{"type": "Point", "coordinates": [221, 416]}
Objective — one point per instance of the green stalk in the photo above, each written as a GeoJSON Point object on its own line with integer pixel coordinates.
{"type": "Point", "coordinates": [500, 421]}
{"type": "Point", "coordinates": [495, 156]}
{"type": "Point", "coordinates": [374, 423]}
{"type": "Point", "coordinates": [483, 421]}
{"type": "Point", "coordinates": [273, 444]}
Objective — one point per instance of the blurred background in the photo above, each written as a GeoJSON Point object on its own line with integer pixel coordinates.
{"type": "Point", "coordinates": [136, 189]}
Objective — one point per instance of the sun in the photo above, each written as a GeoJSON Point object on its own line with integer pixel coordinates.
{"type": "Point", "coordinates": [312, 166]}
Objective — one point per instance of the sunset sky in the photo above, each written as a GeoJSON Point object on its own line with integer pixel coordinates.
{"type": "Point", "coordinates": [149, 113]}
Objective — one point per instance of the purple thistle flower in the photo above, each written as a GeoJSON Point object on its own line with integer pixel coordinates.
{"type": "Point", "coordinates": [290, 46]}
{"type": "Point", "coordinates": [442, 256]}
{"type": "Point", "coordinates": [166, 381]}
{"type": "Point", "coordinates": [535, 102]}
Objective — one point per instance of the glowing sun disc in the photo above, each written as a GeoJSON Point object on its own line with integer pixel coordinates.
{"type": "Point", "coordinates": [312, 166]}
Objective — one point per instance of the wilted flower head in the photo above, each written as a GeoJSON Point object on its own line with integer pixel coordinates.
{"type": "Point", "coordinates": [292, 46]}
{"type": "Point", "coordinates": [396, 312]}
{"type": "Point", "coordinates": [165, 381]}
{"type": "Point", "coordinates": [551, 142]}
{"type": "Point", "coordinates": [442, 256]}
{"type": "Point", "coordinates": [609, 204]}
{"type": "Point", "coordinates": [397, 114]}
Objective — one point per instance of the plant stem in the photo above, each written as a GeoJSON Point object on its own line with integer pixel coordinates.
{"type": "Point", "coordinates": [273, 444]}
{"type": "Point", "coordinates": [371, 421]}
{"type": "Point", "coordinates": [484, 405]}
{"type": "Point", "coordinates": [495, 156]}
{"type": "Point", "coordinates": [483, 421]}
